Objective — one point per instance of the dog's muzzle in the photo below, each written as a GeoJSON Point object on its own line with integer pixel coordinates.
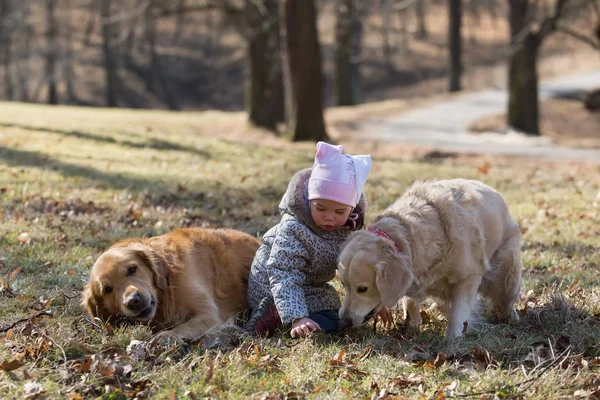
{"type": "Point", "coordinates": [370, 315]}
{"type": "Point", "coordinates": [146, 312]}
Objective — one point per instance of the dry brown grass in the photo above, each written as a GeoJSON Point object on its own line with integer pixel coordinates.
{"type": "Point", "coordinates": [74, 180]}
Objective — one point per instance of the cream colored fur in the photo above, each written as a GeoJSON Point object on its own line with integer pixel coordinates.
{"type": "Point", "coordinates": [457, 239]}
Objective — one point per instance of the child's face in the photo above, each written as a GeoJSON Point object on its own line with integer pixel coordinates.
{"type": "Point", "coordinates": [329, 215]}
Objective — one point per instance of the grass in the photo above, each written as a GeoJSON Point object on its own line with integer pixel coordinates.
{"type": "Point", "coordinates": [74, 180]}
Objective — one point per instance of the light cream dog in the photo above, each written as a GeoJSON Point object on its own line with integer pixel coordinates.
{"type": "Point", "coordinates": [448, 240]}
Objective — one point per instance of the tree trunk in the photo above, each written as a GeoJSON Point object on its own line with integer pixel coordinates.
{"type": "Point", "coordinates": [25, 42]}
{"type": "Point", "coordinates": [51, 51]}
{"type": "Point", "coordinates": [523, 111]}
{"type": "Point", "coordinates": [386, 13]}
{"type": "Point", "coordinates": [421, 22]}
{"type": "Point", "coordinates": [455, 44]}
{"type": "Point", "coordinates": [305, 79]}
{"type": "Point", "coordinates": [264, 83]}
{"type": "Point", "coordinates": [110, 65]}
{"type": "Point", "coordinates": [68, 66]}
{"type": "Point", "coordinates": [157, 74]}
{"type": "Point", "coordinates": [348, 31]}
{"type": "Point", "coordinates": [6, 32]}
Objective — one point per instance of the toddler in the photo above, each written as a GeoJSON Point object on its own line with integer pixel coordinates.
{"type": "Point", "coordinates": [289, 278]}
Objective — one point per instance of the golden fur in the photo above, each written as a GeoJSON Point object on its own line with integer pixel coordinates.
{"type": "Point", "coordinates": [187, 281]}
{"type": "Point", "coordinates": [456, 239]}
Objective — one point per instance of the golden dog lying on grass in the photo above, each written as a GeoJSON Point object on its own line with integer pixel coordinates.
{"type": "Point", "coordinates": [448, 240]}
{"type": "Point", "coordinates": [187, 281]}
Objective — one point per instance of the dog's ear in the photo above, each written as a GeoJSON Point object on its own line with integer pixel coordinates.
{"type": "Point", "coordinates": [393, 278]}
{"type": "Point", "coordinates": [157, 265]}
{"type": "Point", "coordinates": [94, 307]}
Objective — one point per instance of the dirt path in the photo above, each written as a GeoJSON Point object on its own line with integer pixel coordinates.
{"type": "Point", "coordinates": [444, 126]}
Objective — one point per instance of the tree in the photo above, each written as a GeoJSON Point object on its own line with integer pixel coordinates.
{"type": "Point", "coordinates": [455, 44]}
{"type": "Point", "coordinates": [110, 62]}
{"type": "Point", "coordinates": [529, 27]}
{"type": "Point", "coordinates": [51, 50]}
{"type": "Point", "coordinates": [303, 78]}
{"type": "Point", "coordinates": [264, 82]}
{"type": "Point", "coordinates": [348, 33]}
{"type": "Point", "coordinates": [157, 74]}
{"type": "Point", "coordinates": [69, 71]}
{"type": "Point", "coordinates": [7, 27]}
{"type": "Point", "coordinates": [422, 32]}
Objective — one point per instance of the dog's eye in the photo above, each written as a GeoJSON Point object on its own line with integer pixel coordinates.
{"type": "Point", "coordinates": [361, 289]}
{"type": "Point", "coordinates": [131, 270]}
{"type": "Point", "coordinates": [107, 289]}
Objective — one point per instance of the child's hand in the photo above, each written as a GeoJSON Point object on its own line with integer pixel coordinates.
{"type": "Point", "coordinates": [385, 316]}
{"type": "Point", "coordinates": [304, 326]}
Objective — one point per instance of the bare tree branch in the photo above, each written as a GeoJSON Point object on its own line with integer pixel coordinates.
{"type": "Point", "coordinates": [596, 6]}
{"type": "Point", "coordinates": [30, 318]}
{"type": "Point", "coordinates": [168, 12]}
{"type": "Point", "coordinates": [128, 15]}
{"type": "Point", "coordinates": [549, 24]}
{"type": "Point", "coordinates": [579, 36]}
{"type": "Point", "coordinates": [403, 5]}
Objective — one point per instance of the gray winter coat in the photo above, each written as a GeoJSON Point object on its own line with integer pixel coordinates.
{"type": "Point", "coordinates": [297, 258]}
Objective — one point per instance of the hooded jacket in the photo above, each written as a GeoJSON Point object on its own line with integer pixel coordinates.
{"type": "Point", "coordinates": [297, 258]}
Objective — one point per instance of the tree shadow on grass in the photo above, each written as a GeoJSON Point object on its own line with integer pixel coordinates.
{"type": "Point", "coordinates": [21, 158]}
{"type": "Point", "coordinates": [155, 192]}
{"type": "Point", "coordinates": [151, 143]}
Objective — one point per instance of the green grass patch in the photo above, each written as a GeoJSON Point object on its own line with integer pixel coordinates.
{"type": "Point", "coordinates": [75, 180]}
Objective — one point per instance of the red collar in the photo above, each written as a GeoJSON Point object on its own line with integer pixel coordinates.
{"type": "Point", "coordinates": [384, 235]}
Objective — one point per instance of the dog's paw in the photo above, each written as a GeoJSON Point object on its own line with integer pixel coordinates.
{"type": "Point", "coordinates": [166, 339]}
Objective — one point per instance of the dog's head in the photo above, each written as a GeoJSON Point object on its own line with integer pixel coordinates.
{"type": "Point", "coordinates": [373, 273]}
{"type": "Point", "coordinates": [125, 282]}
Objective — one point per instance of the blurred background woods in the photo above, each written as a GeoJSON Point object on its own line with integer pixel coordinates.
{"type": "Point", "coordinates": [282, 60]}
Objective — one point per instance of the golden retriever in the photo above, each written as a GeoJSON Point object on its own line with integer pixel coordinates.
{"type": "Point", "coordinates": [187, 281]}
{"type": "Point", "coordinates": [447, 239]}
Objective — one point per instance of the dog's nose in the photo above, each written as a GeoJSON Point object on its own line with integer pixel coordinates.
{"type": "Point", "coordinates": [346, 322]}
{"type": "Point", "coordinates": [133, 301]}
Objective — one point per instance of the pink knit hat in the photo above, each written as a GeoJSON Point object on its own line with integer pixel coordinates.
{"type": "Point", "coordinates": [336, 176]}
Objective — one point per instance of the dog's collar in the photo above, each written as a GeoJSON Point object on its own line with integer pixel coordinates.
{"type": "Point", "coordinates": [384, 235]}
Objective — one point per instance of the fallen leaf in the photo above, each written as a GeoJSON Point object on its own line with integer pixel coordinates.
{"type": "Point", "coordinates": [210, 371]}
{"type": "Point", "coordinates": [14, 273]}
{"type": "Point", "coordinates": [11, 365]}
{"type": "Point", "coordinates": [137, 350]}
{"type": "Point", "coordinates": [573, 284]}
{"type": "Point", "coordinates": [24, 238]}
{"type": "Point", "coordinates": [417, 353]}
{"type": "Point", "coordinates": [484, 168]}
{"type": "Point", "coordinates": [85, 365]}
{"type": "Point", "coordinates": [366, 353]}
{"type": "Point", "coordinates": [190, 395]}
{"type": "Point", "coordinates": [33, 389]}
{"type": "Point", "coordinates": [439, 360]}
{"type": "Point", "coordinates": [401, 382]}
{"type": "Point", "coordinates": [338, 359]}
{"type": "Point", "coordinates": [595, 394]}
{"type": "Point", "coordinates": [482, 358]}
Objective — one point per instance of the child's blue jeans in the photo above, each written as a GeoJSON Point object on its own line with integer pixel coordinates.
{"type": "Point", "coordinates": [328, 320]}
